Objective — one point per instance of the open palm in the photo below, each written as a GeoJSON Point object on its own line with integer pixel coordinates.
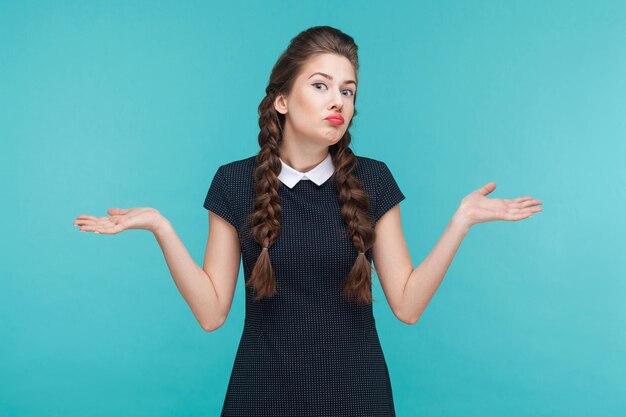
{"type": "Point", "coordinates": [477, 208]}
{"type": "Point", "coordinates": [119, 220]}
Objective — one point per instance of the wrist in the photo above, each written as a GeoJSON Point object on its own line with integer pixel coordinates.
{"type": "Point", "coordinates": [161, 225]}
{"type": "Point", "coordinates": [460, 221]}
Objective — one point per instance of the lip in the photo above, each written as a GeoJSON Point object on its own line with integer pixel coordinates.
{"type": "Point", "coordinates": [336, 119]}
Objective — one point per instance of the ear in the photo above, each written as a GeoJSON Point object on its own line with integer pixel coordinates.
{"type": "Point", "coordinates": [280, 104]}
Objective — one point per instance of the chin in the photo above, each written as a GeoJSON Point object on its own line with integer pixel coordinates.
{"type": "Point", "coordinates": [334, 136]}
{"type": "Point", "coordinates": [334, 139]}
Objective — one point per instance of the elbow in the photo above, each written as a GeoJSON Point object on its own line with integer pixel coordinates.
{"type": "Point", "coordinates": [406, 319]}
{"type": "Point", "coordinates": [211, 326]}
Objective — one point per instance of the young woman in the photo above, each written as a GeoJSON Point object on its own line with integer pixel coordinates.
{"type": "Point", "coordinates": [309, 216]}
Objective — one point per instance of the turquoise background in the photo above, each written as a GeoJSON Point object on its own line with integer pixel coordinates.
{"type": "Point", "coordinates": [116, 104]}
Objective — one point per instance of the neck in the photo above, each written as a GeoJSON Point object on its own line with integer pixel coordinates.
{"type": "Point", "coordinates": [302, 158]}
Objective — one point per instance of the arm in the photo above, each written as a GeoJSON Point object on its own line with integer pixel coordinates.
{"type": "Point", "coordinates": [208, 291]}
{"type": "Point", "coordinates": [425, 279]}
{"type": "Point", "coordinates": [199, 287]}
{"type": "Point", "coordinates": [409, 290]}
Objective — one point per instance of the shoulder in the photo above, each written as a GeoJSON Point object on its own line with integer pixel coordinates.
{"type": "Point", "coordinates": [237, 179]}
{"type": "Point", "coordinates": [238, 170]}
{"type": "Point", "coordinates": [239, 165]}
{"type": "Point", "coordinates": [369, 169]}
{"type": "Point", "coordinates": [367, 164]}
{"type": "Point", "coordinates": [375, 175]}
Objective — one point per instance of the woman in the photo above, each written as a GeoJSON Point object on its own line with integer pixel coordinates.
{"type": "Point", "coordinates": [309, 216]}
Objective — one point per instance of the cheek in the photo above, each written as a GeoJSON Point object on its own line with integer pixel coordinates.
{"type": "Point", "coordinates": [311, 115]}
{"type": "Point", "coordinates": [349, 114]}
{"type": "Point", "coordinates": [305, 111]}
{"type": "Point", "coordinates": [348, 107]}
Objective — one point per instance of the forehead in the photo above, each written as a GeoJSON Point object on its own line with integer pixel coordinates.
{"type": "Point", "coordinates": [337, 66]}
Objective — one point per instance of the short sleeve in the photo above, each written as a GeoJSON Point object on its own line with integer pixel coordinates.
{"type": "Point", "coordinates": [388, 192]}
{"type": "Point", "coordinates": [218, 199]}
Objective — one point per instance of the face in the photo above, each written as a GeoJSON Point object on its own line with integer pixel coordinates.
{"type": "Point", "coordinates": [324, 87]}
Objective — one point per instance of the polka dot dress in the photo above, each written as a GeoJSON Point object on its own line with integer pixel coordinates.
{"type": "Point", "coordinates": [306, 351]}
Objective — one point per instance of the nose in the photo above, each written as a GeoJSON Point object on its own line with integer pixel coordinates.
{"type": "Point", "coordinates": [337, 101]}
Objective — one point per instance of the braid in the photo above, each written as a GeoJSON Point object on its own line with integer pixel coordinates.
{"type": "Point", "coordinates": [354, 212]}
{"type": "Point", "coordinates": [267, 209]}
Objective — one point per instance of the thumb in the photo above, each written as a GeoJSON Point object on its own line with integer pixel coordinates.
{"type": "Point", "coordinates": [487, 188]}
{"type": "Point", "coordinates": [116, 211]}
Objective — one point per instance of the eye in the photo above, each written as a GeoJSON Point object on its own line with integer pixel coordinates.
{"type": "Point", "coordinates": [349, 95]}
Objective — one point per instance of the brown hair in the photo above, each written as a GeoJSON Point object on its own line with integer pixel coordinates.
{"type": "Point", "coordinates": [265, 218]}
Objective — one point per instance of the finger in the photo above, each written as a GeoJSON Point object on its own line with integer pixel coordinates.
{"type": "Point", "coordinates": [520, 211]}
{"type": "Point", "coordinates": [86, 216]}
{"type": "Point", "coordinates": [531, 203]}
{"type": "Point", "coordinates": [517, 216]}
{"type": "Point", "coordinates": [91, 228]}
{"type": "Point", "coordinates": [85, 222]}
{"type": "Point", "coordinates": [517, 200]}
{"type": "Point", "coordinates": [89, 225]}
{"type": "Point", "coordinates": [109, 229]}
{"type": "Point", "coordinates": [487, 188]}
{"type": "Point", "coordinates": [522, 204]}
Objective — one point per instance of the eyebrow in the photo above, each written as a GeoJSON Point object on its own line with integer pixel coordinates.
{"type": "Point", "coordinates": [330, 78]}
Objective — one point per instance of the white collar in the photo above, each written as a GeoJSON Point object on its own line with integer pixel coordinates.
{"type": "Point", "coordinates": [323, 171]}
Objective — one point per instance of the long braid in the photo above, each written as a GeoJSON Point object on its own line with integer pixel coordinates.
{"type": "Point", "coordinates": [267, 209]}
{"type": "Point", "coordinates": [354, 212]}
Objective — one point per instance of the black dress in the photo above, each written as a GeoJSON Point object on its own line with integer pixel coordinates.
{"type": "Point", "coordinates": [306, 352]}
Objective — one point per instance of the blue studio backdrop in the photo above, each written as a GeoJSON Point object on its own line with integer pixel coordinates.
{"type": "Point", "coordinates": [133, 104]}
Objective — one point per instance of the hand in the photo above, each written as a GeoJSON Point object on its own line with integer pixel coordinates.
{"type": "Point", "coordinates": [121, 219]}
{"type": "Point", "coordinates": [476, 208]}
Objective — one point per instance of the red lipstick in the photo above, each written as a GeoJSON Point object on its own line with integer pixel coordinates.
{"type": "Point", "coordinates": [335, 119]}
